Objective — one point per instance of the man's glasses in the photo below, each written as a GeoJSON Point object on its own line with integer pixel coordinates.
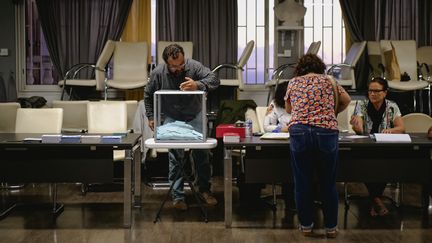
{"type": "Point", "coordinates": [176, 67]}
{"type": "Point", "coordinates": [375, 91]}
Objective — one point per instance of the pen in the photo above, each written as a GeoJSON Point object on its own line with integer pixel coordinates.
{"type": "Point", "coordinates": [355, 107]}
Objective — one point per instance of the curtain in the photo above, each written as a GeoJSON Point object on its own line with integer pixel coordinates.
{"type": "Point", "coordinates": [397, 19]}
{"type": "Point", "coordinates": [77, 30]}
{"type": "Point", "coordinates": [138, 29]}
{"type": "Point", "coordinates": [425, 23]}
{"type": "Point", "coordinates": [359, 23]}
{"type": "Point", "coordinates": [210, 24]}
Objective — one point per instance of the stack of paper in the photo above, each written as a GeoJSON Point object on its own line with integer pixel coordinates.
{"type": "Point", "coordinates": [231, 137]}
{"type": "Point", "coordinates": [55, 138]}
{"type": "Point", "coordinates": [90, 138]}
{"type": "Point", "coordinates": [274, 135]}
{"type": "Point", "coordinates": [111, 139]}
{"type": "Point", "coordinates": [71, 139]}
{"type": "Point", "coordinates": [387, 137]}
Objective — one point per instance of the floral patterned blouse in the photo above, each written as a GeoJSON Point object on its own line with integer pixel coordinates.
{"type": "Point", "coordinates": [312, 101]}
{"type": "Point", "coordinates": [390, 114]}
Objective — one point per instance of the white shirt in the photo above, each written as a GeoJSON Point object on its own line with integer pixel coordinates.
{"type": "Point", "coordinates": [277, 116]}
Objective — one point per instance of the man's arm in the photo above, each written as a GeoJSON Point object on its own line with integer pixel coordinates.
{"type": "Point", "coordinates": [149, 90]}
{"type": "Point", "coordinates": [206, 80]}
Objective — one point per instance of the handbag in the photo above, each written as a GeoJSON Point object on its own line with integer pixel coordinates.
{"type": "Point", "coordinates": [335, 92]}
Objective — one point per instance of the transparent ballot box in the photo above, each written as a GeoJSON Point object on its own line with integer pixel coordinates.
{"type": "Point", "coordinates": [180, 116]}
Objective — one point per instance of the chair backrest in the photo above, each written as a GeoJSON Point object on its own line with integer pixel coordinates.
{"type": "Point", "coordinates": [374, 57]}
{"type": "Point", "coordinates": [261, 113]}
{"type": "Point", "coordinates": [8, 113]}
{"type": "Point", "coordinates": [107, 116]}
{"type": "Point", "coordinates": [131, 107]}
{"type": "Point", "coordinates": [344, 117]}
{"type": "Point", "coordinates": [130, 61]}
{"type": "Point", "coordinates": [347, 74]}
{"type": "Point", "coordinates": [41, 120]}
{"type": "Point", "coordinates": [314, 48]}
{"type": "Point", "coordinates": [187, 48]}
{"type": "Point", "coordinates": [244, 57]}
{"type": "Point", "coordinates": [252, 115]}
{"type": "Point", "coordinates": [354, 53]}
{"type": "Point", "coordinates": [406, 54]}
{"type": "Point", "coordinates": [74, 114]}
{"type": "Point", "coordinates": [102, 62]}
{"type": "Point", "coordinates": [417, 122]}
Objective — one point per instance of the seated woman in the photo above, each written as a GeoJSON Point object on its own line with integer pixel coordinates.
{"type": "Point", "coordinates": [377, 115]}
{"type": "Point", "coordinates": [276, 119]}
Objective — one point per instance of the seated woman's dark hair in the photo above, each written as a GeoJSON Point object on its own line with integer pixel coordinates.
{"type": "Point", "coordinates": [173, 51]}
{"type": "Point", "coordinates": [381, 81]}
{"type": "Point", "coordinates": [280, 94]}
{"type": "Point", "coordinates": [309, 63]}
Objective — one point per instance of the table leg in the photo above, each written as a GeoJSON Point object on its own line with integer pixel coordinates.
{"type": "Point", "coordinates": [228, 187]}
{"type": "Point", "coordinates": [127, 190]}
{"type": "Point", "coordinates": [137, 177]}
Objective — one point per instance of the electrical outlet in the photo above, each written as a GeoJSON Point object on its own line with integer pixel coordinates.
{"type": "Point", "coordinates": [287, 52]}
{"type": "Point", "coordinates": [4, 52]}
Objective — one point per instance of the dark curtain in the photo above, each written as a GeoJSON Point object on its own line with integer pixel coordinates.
{"type": "Point", "coordinates": [425, 23]}
{"type": "Point", "coordinates": [77, 30]}
{"type": "Point", "coordinates": [397, 19]}
{"type": "Point", "coordinates": [210, 24]}
{"type": "Point", "coordinates": [360, 25]}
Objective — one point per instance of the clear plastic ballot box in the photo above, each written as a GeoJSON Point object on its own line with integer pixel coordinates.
{"type": "Point", "coordinates": [180, 116]}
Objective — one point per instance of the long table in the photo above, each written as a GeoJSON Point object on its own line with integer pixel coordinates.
{"type": "Point", "coordinates": [360, 160]}
{"type": "Point", "coordinates": [28, 162]}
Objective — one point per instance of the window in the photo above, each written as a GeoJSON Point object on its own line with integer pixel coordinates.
{"type": "Point", "coordinates": [322, 22]}
{"type": "Point", "coordinates": [251, 26]}
{"type": "Point", "coordinates": [37, 64]}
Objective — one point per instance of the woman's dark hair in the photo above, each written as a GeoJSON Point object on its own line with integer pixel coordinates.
{"type": "Point", "coordinates": [309, 63]}
{"type": "Point", "coordinates": [173, 51]}
{"type": "Point", "coordinates": [381, 81]}
{"type": "Point", "coordinates": [280, 94]}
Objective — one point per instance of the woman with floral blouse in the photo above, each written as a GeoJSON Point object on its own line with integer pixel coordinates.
{"type": "Point", "coordinates": [310, 98]}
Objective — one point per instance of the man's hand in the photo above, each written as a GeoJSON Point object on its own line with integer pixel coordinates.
{"type": "Point", "coordinates": [151, 124]}
{"type": "Point", "coordinates": [188, 84]}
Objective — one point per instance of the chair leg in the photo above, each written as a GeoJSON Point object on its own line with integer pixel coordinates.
{"type": "Point", "coordinates": [57, 208]}
{"type": "Point", "coordinates": [6, 186]}
{"type": "Point", "coordinates": [105, 89]}
{"type": "Point", "coordinates": [63, 91]}
{"type": "Point", "coordinates": [346, 197]}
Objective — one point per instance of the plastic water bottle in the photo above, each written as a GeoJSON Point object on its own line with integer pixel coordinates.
{"type": "Point", "coordinates": [248, 128]}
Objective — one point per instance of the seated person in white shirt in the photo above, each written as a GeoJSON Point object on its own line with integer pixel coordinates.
{"type": "Point", "coordinates": [276, 119]}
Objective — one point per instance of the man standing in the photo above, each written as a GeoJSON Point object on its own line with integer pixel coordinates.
{"type": "Point", "coordinates": [178, 73]}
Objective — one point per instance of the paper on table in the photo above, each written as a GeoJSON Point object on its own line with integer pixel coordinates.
{"type": "Point", "coordinates": [355, 136]}
{"type": "Point", "coordinates": [387, 137]}
{"type": "Point", "coordinates": [275, 135]}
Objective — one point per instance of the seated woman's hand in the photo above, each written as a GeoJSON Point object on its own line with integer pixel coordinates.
{"type": "Point", "coordinates": [269, 109]}
{"type": "Point", "coordinates": [386, 131]}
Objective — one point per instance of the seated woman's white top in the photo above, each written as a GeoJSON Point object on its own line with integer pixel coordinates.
{"type": "Point", "coordinates": [277, 116]}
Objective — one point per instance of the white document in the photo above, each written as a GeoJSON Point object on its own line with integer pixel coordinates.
{"type": "Point", "coordinates": [355, 136]}
{"type": "Point", "coordinates": [389, 137]}
{"type": "Point", "coordinates": [275, 135]}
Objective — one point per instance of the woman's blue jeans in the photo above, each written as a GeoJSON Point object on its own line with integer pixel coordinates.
{"type": "Point", "coordinates": [314, 151]}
